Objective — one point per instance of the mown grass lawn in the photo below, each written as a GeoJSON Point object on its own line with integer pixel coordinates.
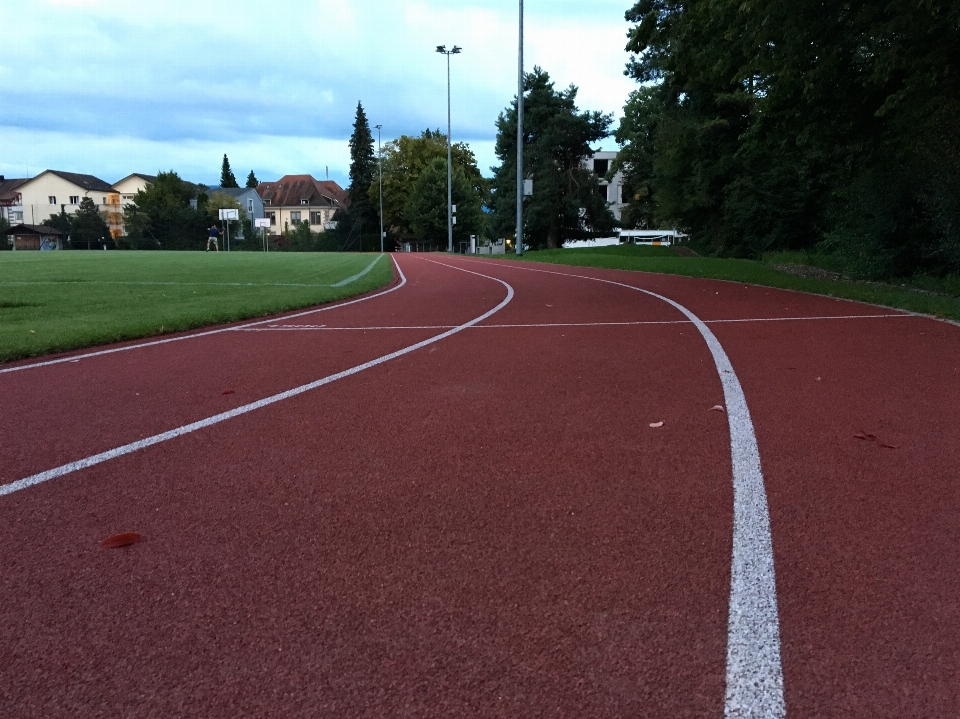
{"type": "Point", "coordinates": [664, 260]}
{"type": "Point", "coordinates": [54, 301]}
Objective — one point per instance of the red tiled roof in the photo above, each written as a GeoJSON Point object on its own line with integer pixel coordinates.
{"type": "Point", "coordinates": [292, 190]}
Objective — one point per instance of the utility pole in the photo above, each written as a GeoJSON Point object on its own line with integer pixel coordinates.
{"type": "Point", "coordinates": [380, 164]}
{"type": "Point", "coordinates": [442, 49]}
{"type": "Point", "coordinates": [520, 177]}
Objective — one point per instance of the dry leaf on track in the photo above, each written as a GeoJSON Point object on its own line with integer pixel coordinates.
{"type": "Point", "coordinates": [656, 424]}
{"type": "Point", "coordinates": [229, 391]}
{"type": "Point", "coordinates": [120, 540]}
{"type": "Point", "coordinates": [717, 408]}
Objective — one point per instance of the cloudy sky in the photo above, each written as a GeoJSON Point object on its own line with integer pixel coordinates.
{"type": "Point", "coordinates": [107, 88]}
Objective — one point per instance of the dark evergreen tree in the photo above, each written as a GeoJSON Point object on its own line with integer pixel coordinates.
{"type": "Point", "coordinates": [363, 169]}
{"type": "Point", "coordinates": [227, 178]}
{"type": "Point", "coordinates": [566, 203]}
{"type": "Point", "coordinates": [88, 230]}
{"type": "Point", "coordinates": [252, 181]}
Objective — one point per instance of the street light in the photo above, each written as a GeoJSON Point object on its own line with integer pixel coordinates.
{"type": "Point", "coordinates": [520, 138]}
{"type": "Point", "coordinates": [380, 163]}
{"type": "Point", "coordinates": [442, 49]}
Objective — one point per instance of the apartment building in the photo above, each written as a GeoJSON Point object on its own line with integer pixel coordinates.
{"type": "Point", "coordinates": [53, 191]}
{"type": "Point", "coordinates": [11, 201]}
{"type": "Point", "coordinates": [300, 198]}
{"type": "Point", "coordinates": [610, 190]}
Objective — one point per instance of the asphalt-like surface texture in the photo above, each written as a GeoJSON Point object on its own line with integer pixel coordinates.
{"type": "Point", "coordinates": [487, 526]}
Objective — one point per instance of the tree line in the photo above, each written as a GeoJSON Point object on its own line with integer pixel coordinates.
{"type": "Point", "coordinates": [831, 127]}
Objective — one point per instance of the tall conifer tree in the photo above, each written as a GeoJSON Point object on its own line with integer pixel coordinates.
{"type": "Point", "coordinates": [363, 167]}
{"type": "Point", "coordinates": [252, 180]}
{"type": "Point", "coordinates": [227, 178]}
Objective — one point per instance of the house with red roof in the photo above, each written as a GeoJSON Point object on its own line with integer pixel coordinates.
{"type": "Point", "coordinates": [300, 198]}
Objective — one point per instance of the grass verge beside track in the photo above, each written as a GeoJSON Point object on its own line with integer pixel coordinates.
{"type": "Point", "coordinates": [56, 301]}
{"type": "Point", "coordinates": [665, 261]}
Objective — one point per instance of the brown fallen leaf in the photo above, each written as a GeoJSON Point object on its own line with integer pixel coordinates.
{"type": "Point", "coordinates": [229, 391]}
{"type": "Point", "coordinates": [888, 446]}
{"type": "Point", "coordinates": [656, 424]}
{"type": "Point", "coordinates": [120, 540]}
{"type": "Point", "coordinates": [867, 437]}
{"type": "Point", "coordinates": [717, 408]}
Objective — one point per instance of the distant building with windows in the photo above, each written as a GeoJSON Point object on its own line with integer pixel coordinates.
{"type": "Point", "coordinates": [246, 197]}
{"type": "Point", "coordinates": [300, 198]}
{"type": "Point", "coordinates": [11, 201]}
{"type": "Point", "coordinates": [53, 191]}
{"type": "Point", "coordinates": [130, 185]}
{"type": "Point", "coordinates": [610, 190]}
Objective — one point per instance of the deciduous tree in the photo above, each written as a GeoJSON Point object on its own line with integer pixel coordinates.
{"type": "Point", "coordinates": [426, 210]}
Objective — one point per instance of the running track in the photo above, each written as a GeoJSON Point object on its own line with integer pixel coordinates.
{"type": "Point", "coordinates": [446, 499]}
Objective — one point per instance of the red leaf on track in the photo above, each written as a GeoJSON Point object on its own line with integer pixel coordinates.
{"type": "Point", "coordinates": [717, 408]}
{"type": "Point", "coordinates": [229, 391]}
{"type": "Point", "coordinates": [120, 540]}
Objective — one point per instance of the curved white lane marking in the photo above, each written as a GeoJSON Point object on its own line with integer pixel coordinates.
{"type": "Point", "coordinates": [233, 328]}
{"type": "Point", "coordinates": [754, 668]}
{"type": "Point", "coordinates": [224, 416]}
{"type": "Point", "coordinates": [360, 274]}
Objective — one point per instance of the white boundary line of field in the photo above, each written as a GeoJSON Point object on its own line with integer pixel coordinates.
{"type": "Point", "coordinates": [282, 327]}
{"type": "Point", "coordinates": [95, 459]}
{"type": "Point", "coordinates": [754, 671]}
{"type": "Point", "coordinates": [219, 330]}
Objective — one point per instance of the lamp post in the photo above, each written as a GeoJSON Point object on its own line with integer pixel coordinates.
{"type": "Point", "coordinates": [520, 138]}
{"type": "Point", "coordinates": [380, 165]}
{"type": "Point", "coordinates": [442, 49]}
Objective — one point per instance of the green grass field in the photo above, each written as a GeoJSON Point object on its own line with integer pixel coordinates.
{"type": "Point", "coordinates": [54, 301]}
{"type": "Point", "coordinates": [664, 260]}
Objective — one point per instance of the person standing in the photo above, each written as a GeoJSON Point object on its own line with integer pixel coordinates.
{"type": "Point", "coordinates": [212, 237]}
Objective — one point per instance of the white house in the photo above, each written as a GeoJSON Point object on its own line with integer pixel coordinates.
{"type": "Point", "coordinates": [52, 191]}
{"type": "Point", "coordinates": [299, 198]}
{"type": "Point", "coordinates": [610, 190]}
{"type": "Point", "coordinates": [130, 185]}
{"type": "Point", "coordinates": [11, 201]}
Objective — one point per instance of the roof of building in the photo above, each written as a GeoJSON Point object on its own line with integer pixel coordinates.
{"type": "Point", "coordinates": [87, 182]}
{"type": "Point", "coordinates": [232, 191]}
{"type": "Point", "coordinates": [33, 230]}
{"type": "Point", "coordinates": [8, 188]}
{"type": "Point", "coordinates": [292, 190]}
{"type": "Point", "coordinates": [149, 178]}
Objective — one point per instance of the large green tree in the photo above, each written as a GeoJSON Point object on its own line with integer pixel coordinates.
{"type": "Point", "coordinates": [566, 203]}
{"type": "Point", "coordinates": [426, 210]}
{"type": "Point", "coordinates": [363, 168]}
{"type": "Point", "coordinates": [772, 124]}
{"type": "Point", "coordinates": [161, 216]}
{"type": "Point", "coordinates": [404, 159]}
{"type": "Point", "coordinates": [227, 178]}
{"type": "Point", "coordinates": [88, 230]}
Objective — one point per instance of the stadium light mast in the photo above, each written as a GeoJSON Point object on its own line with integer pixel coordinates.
{"type": "Point", "coordinates": [442, 49]}
{"type": "Point", "coordinates": [520, 178]}
{"type": "Point", "coordinates": [380, 164]}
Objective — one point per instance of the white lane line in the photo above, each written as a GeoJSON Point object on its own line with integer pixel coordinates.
{"type": "Point", "coordinates": [279, 327]}
{"type": "Point", "coordinates": [195, 335]}
{"type": "Point", "coordinates": [224, 416]}
{"type": "Point", "coordinates": [360, 274]}
{"type": "Point", "coordinates": [754, 670]}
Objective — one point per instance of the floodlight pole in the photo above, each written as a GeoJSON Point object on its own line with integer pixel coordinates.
{"type": "Point", "coordinates": [442, 49]}
{"type": "Point", "coordinates": [380, 164]}
{"type": "Point", "coordinates": [520, 176]}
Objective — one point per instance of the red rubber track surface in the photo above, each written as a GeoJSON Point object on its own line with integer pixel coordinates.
{"type": "Point", "coordinates": [487, 526]}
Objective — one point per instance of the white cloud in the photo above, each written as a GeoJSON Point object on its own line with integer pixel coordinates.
{"type": "Point", "coordinates": [181, 79]}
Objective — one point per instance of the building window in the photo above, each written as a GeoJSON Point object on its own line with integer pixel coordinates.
{"type": "Point", "coordinates": [273, 218]}
{"type": "Point", "coordinates": [266, 201]}
{"type": "Point", "coordinates": [249, 205]}
{"type": "Point", "coordinates": [128, 197]}
{"type": "Point", "coordinates": [74, 199]}
{"type": "Point", "coordinates": [53, 199]}
{"type": "Point", "coordinates": [601, 167]}
{"type": "Point", "coordinates": [602, 191]}
{"type": "Point", "coordinates": [316, 218]}
{"type": "Point", "coordinates": [104, 201]}
{"type": "Point", "coordinates": [295, 217]}
{"type": "Point", "coordinates": [18, 216]}
{"type": "Point", "coordinates": [303, 202]}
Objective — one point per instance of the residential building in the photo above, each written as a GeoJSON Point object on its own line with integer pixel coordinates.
{"type": "Point", "coordinates": [52, 191]}
{"type": "Point", "coordinates": [297, 198]}
{"type": "Point", "coordinates": [247, 197]}
{"type": "Point", "coordinates": [610, 190]}
{"type": "Point", "coordinates": [130, 185]}
{"type": "Point", "coordinates": [11, 201]}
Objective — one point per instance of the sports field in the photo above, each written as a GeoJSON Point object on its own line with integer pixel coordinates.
{"type": "Point", "coordinates": [54, 301]}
